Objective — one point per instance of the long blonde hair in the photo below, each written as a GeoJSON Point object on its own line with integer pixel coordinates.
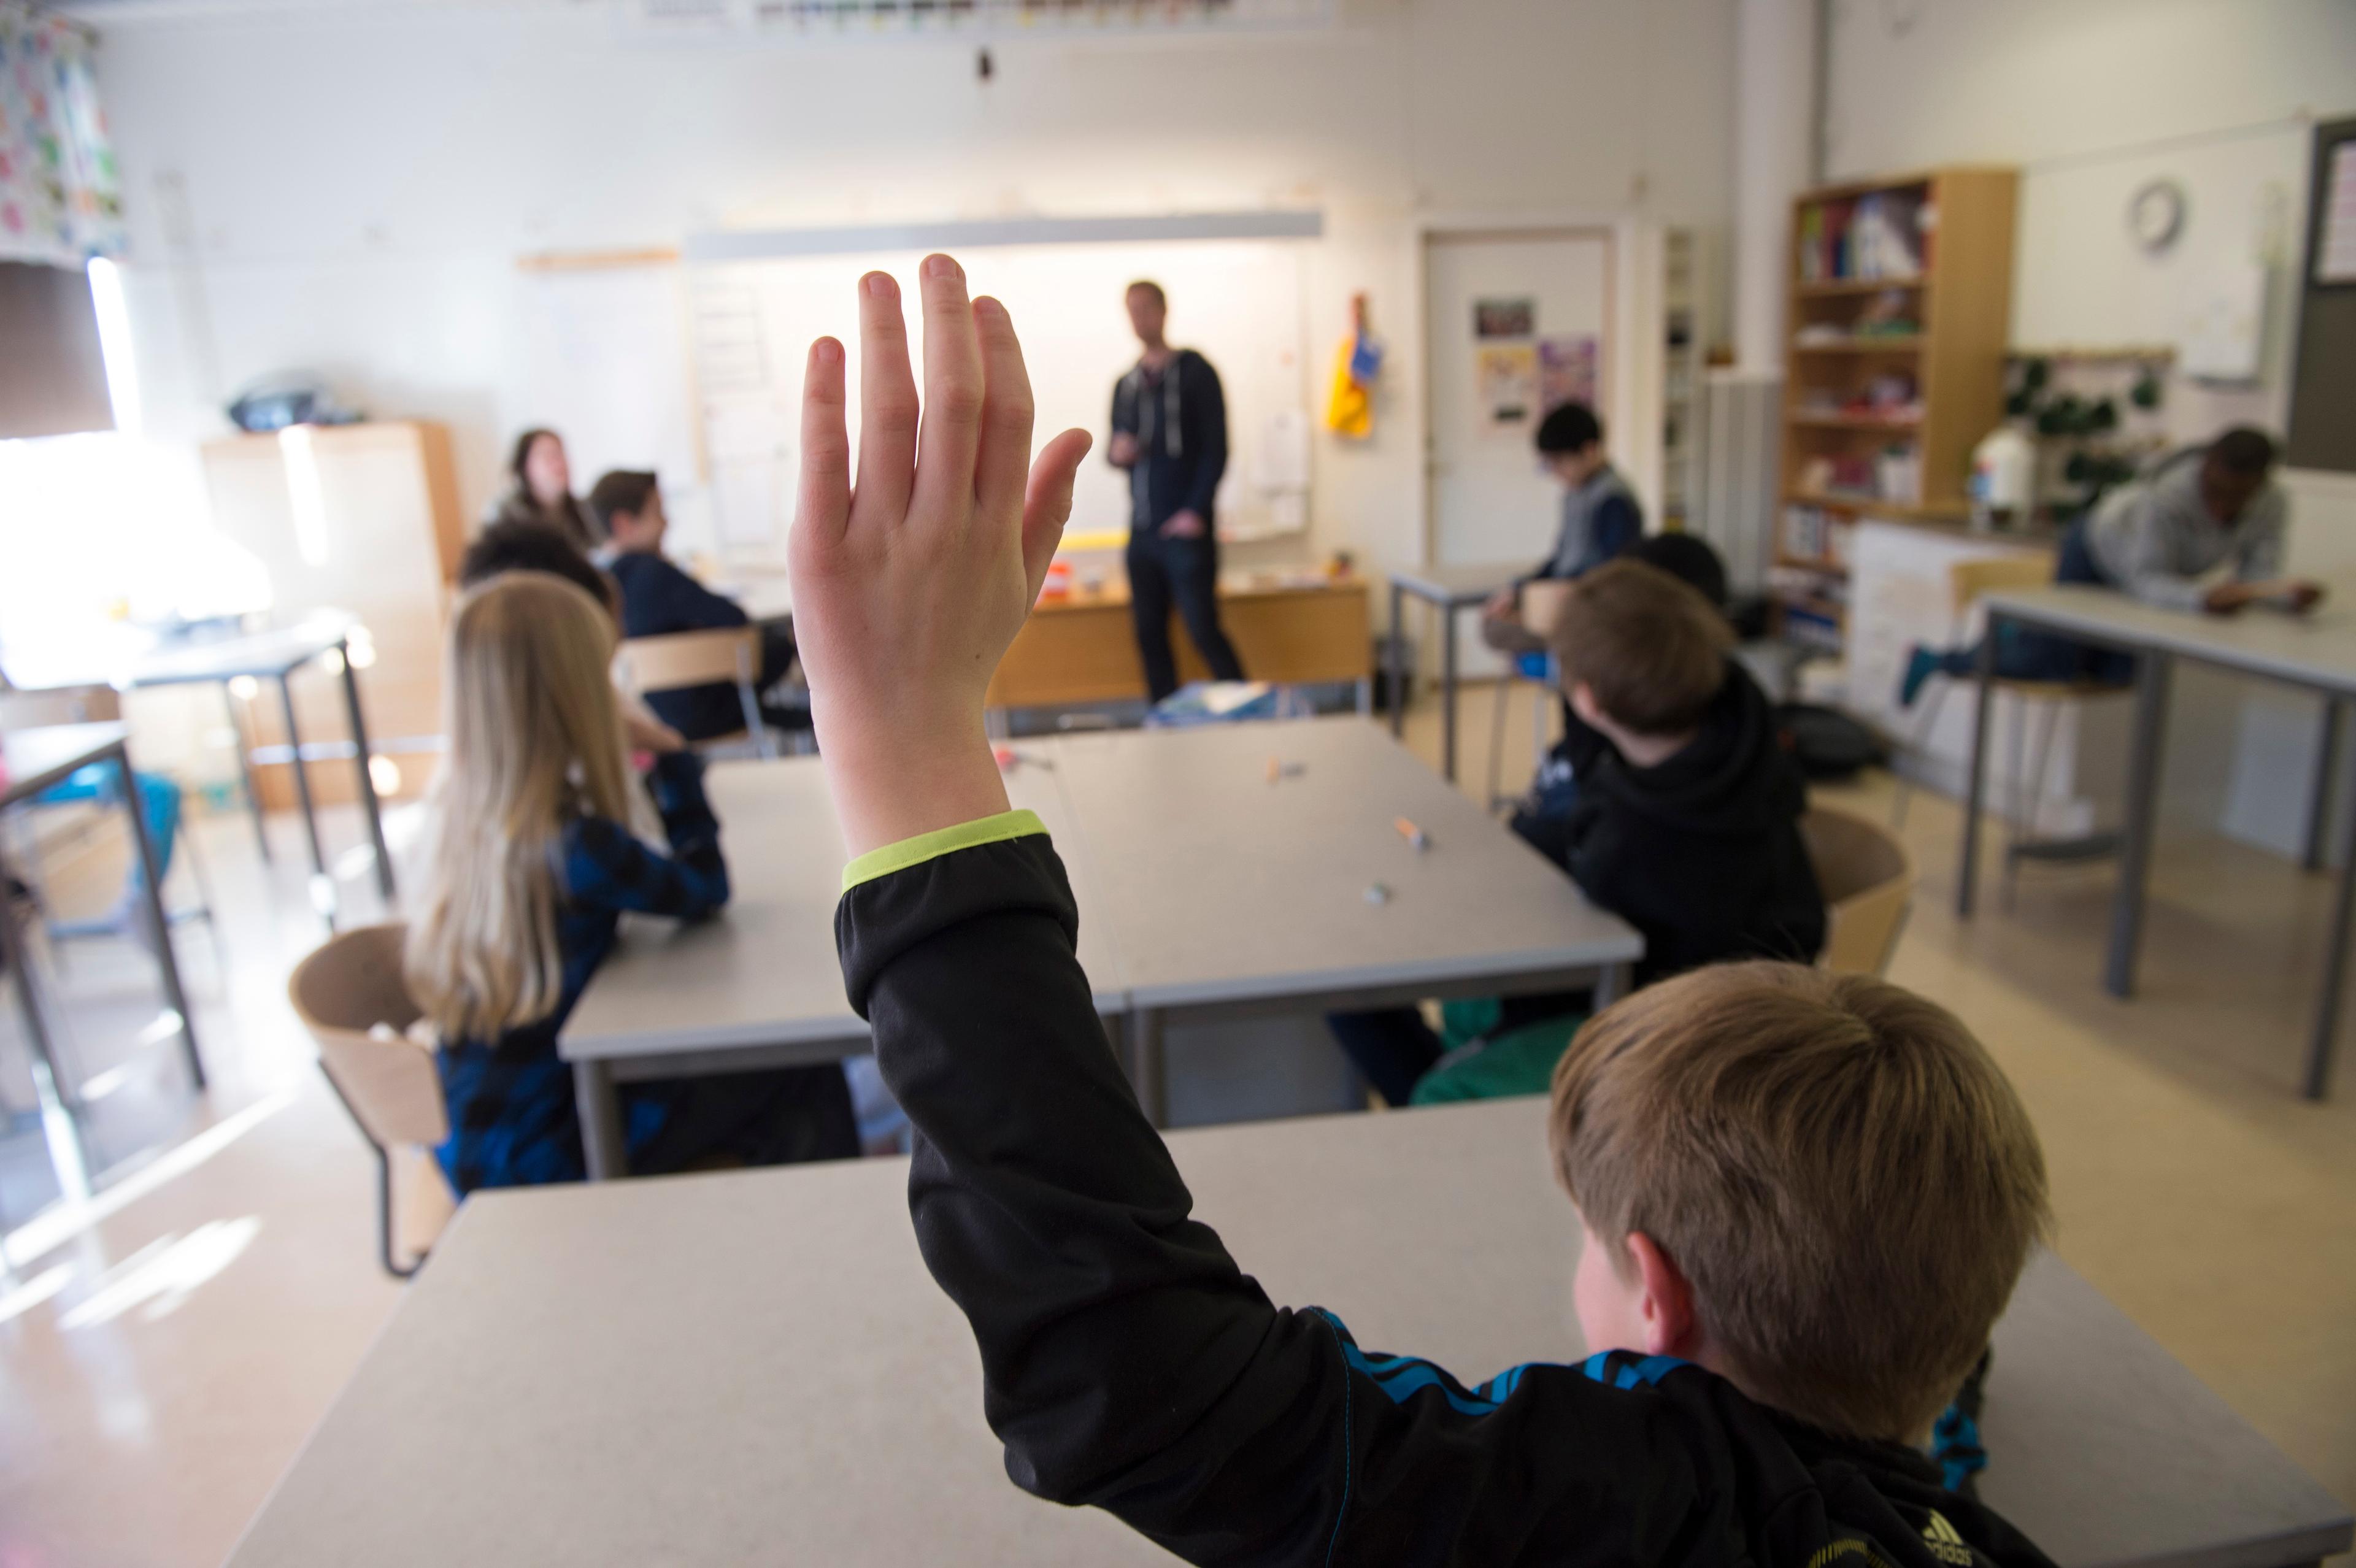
{"type": "Point", "coordinates": [535, 738]}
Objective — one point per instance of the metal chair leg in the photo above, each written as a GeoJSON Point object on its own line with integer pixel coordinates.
{"type": "Point", "coordinates": [2041, 764]}
{"type": "Point", "coordinates": [1497, 736]}
{"type": "Point", "coordinates": [385, 1253]}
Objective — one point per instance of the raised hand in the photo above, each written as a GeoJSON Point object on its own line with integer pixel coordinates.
{"type": "Point", "coordinates": [908, 588]}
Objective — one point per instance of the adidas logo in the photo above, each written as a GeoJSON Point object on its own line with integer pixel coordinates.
{"type": "Point", "coordinates": [1945, 1544]}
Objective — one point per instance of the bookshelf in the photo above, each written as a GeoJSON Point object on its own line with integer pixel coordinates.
{"type": "Point", "coordinates": [1901, 298]}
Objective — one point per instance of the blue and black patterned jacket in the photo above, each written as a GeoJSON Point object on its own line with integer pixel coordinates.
{"type": "Point", "coordinates": [511, 1111]}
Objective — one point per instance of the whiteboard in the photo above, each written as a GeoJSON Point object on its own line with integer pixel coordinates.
{"type": "Point", "coordinates": [1238, 302]}
{"type": "Point", "coordinates": [605, 356]}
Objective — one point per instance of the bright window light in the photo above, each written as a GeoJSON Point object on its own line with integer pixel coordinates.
{"type": "Point", "coordinates": [114, 344]}
{"type": "Point", "coordinates": [304, 494]}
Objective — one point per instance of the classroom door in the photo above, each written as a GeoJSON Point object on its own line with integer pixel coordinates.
{"type": "Point", "coordinates": [1514, 324]}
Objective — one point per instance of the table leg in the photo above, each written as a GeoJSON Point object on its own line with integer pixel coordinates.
{"type": "Point", "coordinates": [602, 1150]}
{"type": "Point", "coordinates": [151, 872]}
{"type": "Point", "coordinates": [1147, 1076]}
{"type": "Point", "coordinates": [368, 804]}
{"type": "Point", "coordinates": [1967, 874]}
{"type": "Point", "coordinates": [1447, 692]}
{"type": "Point", "coordinates": [2318, 805]}
{"type": "Point", "coordinates": [323, 887]}
{"type": "Point", "coordinates": [2316, 1083]}
{"type": "Point", "coordinates": [1395, 656]}
{"type": "Point", "coordinates": [2152, 671]}
{"type": "Point", "coordinates": [56, 1098]}
{"type": "Point", "coordinates": [245, 772]}
{"type": "Point", "coordinates": [1611, 985]}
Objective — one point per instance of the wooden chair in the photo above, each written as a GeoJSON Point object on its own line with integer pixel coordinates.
{"type": "Point", "coordinates": [346, 988]}
{"type": "Point", "coordinates": [1867, 881]}
{"type": "Point", "coordinates": [730, 656]}
{"type": "Point", "coordinates": [1967, 583]}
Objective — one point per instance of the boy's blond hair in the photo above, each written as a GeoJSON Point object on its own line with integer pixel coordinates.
{"type": "Point", "coordinates": [1840, 1171]}
{"type": "Point", "coordinates": [1651, 648]}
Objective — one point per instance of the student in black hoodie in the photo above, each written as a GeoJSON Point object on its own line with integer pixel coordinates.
{"type": "Point", "coordinates": [1686, 819]}
{"type": "Point", "coordinates": [1803, 1198]}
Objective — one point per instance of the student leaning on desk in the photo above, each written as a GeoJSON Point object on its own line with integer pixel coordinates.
{"type": "Point", "coordinates": [2200, 529]}
{"type": "Point", "coordinates": [1805, 1199]}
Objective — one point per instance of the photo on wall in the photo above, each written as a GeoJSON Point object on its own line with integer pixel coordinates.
{"type": "Point", "coordinates": [1504, 317]}
{"type": "Point", "coordinates": [1565, 372]}
{"type": "Point", "coordinates": [1506, 383]}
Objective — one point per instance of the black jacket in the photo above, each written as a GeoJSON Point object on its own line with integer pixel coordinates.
{"type": "Point", "coordinates": [658, 598]}
{"type": "Point", "coordinates": [1702, 853]}
{"type": "Point", "coordinates": [1128, 1363]}
{"type": "Point", "coordinates": [1181, 425]}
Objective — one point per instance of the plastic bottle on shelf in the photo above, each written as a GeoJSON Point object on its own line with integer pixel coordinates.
{"type": "Point", "coordinates": [2003, 477]}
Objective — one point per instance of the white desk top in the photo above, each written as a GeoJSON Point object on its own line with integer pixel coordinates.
{"type": "Point", "coordinates": [765, 972]}
{"type": "Point", "coordinates": [755, 1367]}
{"type": "Point", "coordinates": [2318, 649]}
{"type": "Point", "coordinates": [1223, 887]}
{"type": "Point", "coordinates": [266, 653]}
{"type": "Point", "coordinates": [46, 754]}
{"type": "Point", "coordinates": [1457, 586]}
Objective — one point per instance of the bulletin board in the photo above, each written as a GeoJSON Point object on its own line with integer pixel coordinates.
{"type": "Point", "coordinates": [2323, 385]}
{"type": "Point", "coordinates": [1240, 302]}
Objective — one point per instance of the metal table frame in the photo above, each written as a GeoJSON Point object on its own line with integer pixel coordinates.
{"type": "Point", "coordinates": [2154, 669]}
{"type": "Point", "coordinates": [1445, 602]}
{"type": "Point", "coordinates": [219, 664]}
{"type": "Point", "coordinates": [108, 746]}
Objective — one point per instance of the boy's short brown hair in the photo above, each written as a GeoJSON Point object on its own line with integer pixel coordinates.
{"type": "Point", "coordinates": [1843, 1175]}
{"type": "Point", "coordinates": [1651, 649]}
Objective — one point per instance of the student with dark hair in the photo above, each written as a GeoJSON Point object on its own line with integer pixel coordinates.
{"type": "Point", "coordinates": [2200, 528]}
{"type": "Point", "coordinates": [1170, 431]}
{"type": "Point", "coordinates": [658, 598]}
{"type": "Point", "coordinates": [543, 491]}
{"type": "Point", "coordinates": [1599, 514]}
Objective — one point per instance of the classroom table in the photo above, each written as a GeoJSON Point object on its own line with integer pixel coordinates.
{"type": "Point", "coordinates": [1447, 589]}
{"type": "Point", "coordinates": [755, 1367]}
{"type": "Point", "coordinates": [1206, 892]}
{"type": "Point", "coordinates": [275, 656]}
{"type": "Point", "coordinates": [2316, 653]}
{"type": "Point", "coordinates": [1230, 895]}
{"type": "Point", "coordinates": [760, 985]}
{"type": "Point", "coordinates": [35, 760]}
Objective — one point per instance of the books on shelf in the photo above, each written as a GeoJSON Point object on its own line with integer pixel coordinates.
{"type": "Point", "coordinates": [1878, 235]}
{"type": "Point", "coordinates": [1811, 533]}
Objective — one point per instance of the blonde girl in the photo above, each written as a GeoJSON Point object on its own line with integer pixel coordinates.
{"type": "Point", "coordinates": [532, 857]}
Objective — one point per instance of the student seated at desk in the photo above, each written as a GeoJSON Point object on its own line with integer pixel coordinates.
{"type": "Point", "coordinates": [1599, 514]}
{"type": "Point", "coordinates": [1685, 820]}
{"type": "Point", "coordinates": [543, 491]}
{"type": "Point", "coordinates": [2200, 529]}
{"type": "Point", "coordinates": [658, 598]}
{"type": "Point", "coordinates": [539, 845]}
{"type": "Point", "coordinates": [1804, 1198]}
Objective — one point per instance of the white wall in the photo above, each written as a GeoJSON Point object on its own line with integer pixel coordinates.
{"type": "Point", "coordinates": [2090, 99]}
{"type": "Point", "coordinates": [347, 188]}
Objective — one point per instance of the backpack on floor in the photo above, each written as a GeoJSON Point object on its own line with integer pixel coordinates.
{"type": "Point", "coordinates": [1826, 743]}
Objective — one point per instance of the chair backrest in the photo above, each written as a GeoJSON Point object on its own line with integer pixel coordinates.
{"type": "Point", "coordinates": [347, 987]}
{"type": "Point", "coordinates": [59, 705]}
{"type": "Point", "coordinates": [1867, 881]}
{"type": "Point", "coordinates": [1968, 580]}
{"type": "Point", "coordinates": [728, 655]}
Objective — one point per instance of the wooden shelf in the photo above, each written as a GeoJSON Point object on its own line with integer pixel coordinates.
{"type": "Point", "coordinates": [1824, 564]}
{"type": "Point", "coordinates": [1858, 422]}
{"type": "Point", "coordinates": [1895, 343]}
{"type": "Point", "coordinates": [1901, 511]}
{"type": "Point", "coordinates": [1835, 288]}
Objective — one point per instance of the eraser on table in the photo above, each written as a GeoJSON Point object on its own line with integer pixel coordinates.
{"type": "Point", "coordinates": [1377, 894]}
{"type": "Point", "coordinates": [1411, 833]}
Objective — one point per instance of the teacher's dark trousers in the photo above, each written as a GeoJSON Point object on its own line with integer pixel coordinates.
{"type": "Point", "coordinates": [1162, 570]}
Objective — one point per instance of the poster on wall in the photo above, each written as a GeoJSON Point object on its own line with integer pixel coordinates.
{"type": "Point", "coordinates": [1506, 384]}
{"type": "Point", "coordinates": [1504, 317]}
{"type": "Point", "coordinates": [1565, 372]}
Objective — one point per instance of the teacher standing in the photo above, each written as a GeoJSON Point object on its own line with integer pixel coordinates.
{"type": "Point", "coordinates": [1170, 431]}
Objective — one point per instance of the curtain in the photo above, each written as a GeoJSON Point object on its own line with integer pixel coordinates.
{"type": "Point", "coordinates": [60, 198]}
